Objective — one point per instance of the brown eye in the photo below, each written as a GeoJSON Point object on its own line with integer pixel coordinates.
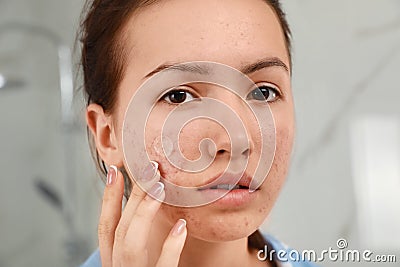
{"type": "Point", "coordinates": [178, 96]}
{"type": "Point", "coordinates": [265, 92]}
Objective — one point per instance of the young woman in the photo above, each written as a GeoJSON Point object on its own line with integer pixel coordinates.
{"type": "Point", "coordinates": [125, 43]}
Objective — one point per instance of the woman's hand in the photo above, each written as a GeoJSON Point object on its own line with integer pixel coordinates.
{"type": "Point", "coordinates": [123, 235]}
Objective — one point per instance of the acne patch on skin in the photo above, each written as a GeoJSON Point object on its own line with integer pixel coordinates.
{"type": "Point", "coordinates": [163, 146]}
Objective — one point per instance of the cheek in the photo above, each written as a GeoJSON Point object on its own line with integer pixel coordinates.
{"type": "Point", "coordinates": [273, 184]}
{"type": "Point", "coordinates": [280, 166]}
{"type": "Point", "coordinates": [284, 143]}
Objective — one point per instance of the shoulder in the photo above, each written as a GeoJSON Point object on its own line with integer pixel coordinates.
{"type": "Point", "coordinates": [284, 255]}
{"type": "Point", "coordinates": [93, 261]}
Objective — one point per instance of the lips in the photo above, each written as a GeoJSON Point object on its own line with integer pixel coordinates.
{"type": "Point", "coordinates": [228, 181]}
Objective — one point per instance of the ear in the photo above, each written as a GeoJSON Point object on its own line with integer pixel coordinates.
{"type": "Point", "coordinates": [103, 131]}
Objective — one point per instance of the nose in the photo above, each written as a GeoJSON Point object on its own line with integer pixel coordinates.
{"type": "Point", "coordinates": [234, 149]}
{"type": "Point", "coordinates": [237, 143]}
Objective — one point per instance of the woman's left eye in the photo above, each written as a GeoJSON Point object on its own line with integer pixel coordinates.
{"type": "Point", "coordinates": [178, 96]}
{"type": "Point", "coordinates": [264, 92]}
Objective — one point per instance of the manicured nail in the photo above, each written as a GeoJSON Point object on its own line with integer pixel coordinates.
{"type": "Point", "coordinates": [179, 227]}
{"type": "Point", "coordinates": [149, 171]}
{"type": "Point", "coordinates": [157, 189]}
{"type": "Point", "coordinates": [112, 175]}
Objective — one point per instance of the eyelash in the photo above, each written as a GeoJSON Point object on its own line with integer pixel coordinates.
{"type": "Point", "coordinates": [173, 91]}
{"type": "Point", "coordinates": [269, 86]}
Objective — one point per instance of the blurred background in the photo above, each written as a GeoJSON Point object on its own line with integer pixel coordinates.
{"type": "Point", "coordinates": [345, 175]}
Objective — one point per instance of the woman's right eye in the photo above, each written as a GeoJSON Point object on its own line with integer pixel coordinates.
{"type": "Point", "coordinates": [177, 96]}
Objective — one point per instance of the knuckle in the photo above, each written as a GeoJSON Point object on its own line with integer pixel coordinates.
{"type": "Point", "coordinates": [130, 253]}
{"type": "Point", "coordinates": [136, 193]}
{"type": "Point", "coordinates": [105, 228]}
{"type": "Point", "coordinates": [120, 232]}
{"type": "Point", "coordinates": [140, 214]}
{"type": "Point", "coordinates": [127, 249]}
{"type": "Point", "coordinates": [126, 255]}
{"type": "Point", "coordinates": [132, 247]}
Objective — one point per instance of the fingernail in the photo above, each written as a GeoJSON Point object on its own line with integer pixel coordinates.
{"type": "Point", "coordinates": [179, 227]}
{"type": "Point", "coordinates": [112, 175]}
{"type": "Point", "coordinates": [149, 171]}
{"type": "Point", "coordinates": [157, 189]}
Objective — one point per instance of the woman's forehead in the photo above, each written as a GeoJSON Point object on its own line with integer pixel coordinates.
{"type": "Point", "coordinates": [225, 31]}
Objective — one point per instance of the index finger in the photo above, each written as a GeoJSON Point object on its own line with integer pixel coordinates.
{"type": "Point", "coordinates": [150, 177]}
{"type": "Point", "coordinates": [110, 214]}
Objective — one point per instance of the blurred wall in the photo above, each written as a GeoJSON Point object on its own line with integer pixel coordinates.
{"type": "Point", "coordinates": [41, 158]}
{"type": "Point", "coordinates": [346, 66]}
{"type": "Point", "coordinates": [346, 58]}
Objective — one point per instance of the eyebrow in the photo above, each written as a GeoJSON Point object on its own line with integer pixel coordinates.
{"type": "Point", "coordinates": [246, 69]}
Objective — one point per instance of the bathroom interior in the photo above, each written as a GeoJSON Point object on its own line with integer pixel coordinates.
{"type": "Point", "coordinates": [344, 181]}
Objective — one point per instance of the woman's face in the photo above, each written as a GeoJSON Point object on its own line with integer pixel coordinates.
{"type": "Point", "coordinates": [235, 33]}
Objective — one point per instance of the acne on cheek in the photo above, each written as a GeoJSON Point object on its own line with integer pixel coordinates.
{"type": "Point", "coordinates": [284, 147]}
{"type": "Point", "coordinates": [280, 166]}
{"type": "Point", "coordinates": [160, 154]}
{"type": "Point", "coordinates": [166, 168]}
{"type": "Point", "coordinates": [164, 147]}
{"type": "Point", "coordinates": [159, 150]}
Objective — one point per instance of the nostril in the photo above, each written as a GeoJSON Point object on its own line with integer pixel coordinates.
{"type": "Point", "coordinates": [221, 151]}
{"type": "Point", "coordinates": [246, 152]}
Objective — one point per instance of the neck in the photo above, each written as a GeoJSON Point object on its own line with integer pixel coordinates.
{"type": "Point", "coordinates": [223, 254]}
{"type": "Point", "coordinates": [197, 252]}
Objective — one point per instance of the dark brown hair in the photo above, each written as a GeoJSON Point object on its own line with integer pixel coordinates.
{"type": "Point", "coordinates": [103, 60]}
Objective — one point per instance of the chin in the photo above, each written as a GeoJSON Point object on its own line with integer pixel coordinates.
{"type": "Point", "coordinates": [221, 236]}
{"type": "Point", "coordinates": [222, 232]}
{"type": "Point", "coordinates": [209, 225]}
